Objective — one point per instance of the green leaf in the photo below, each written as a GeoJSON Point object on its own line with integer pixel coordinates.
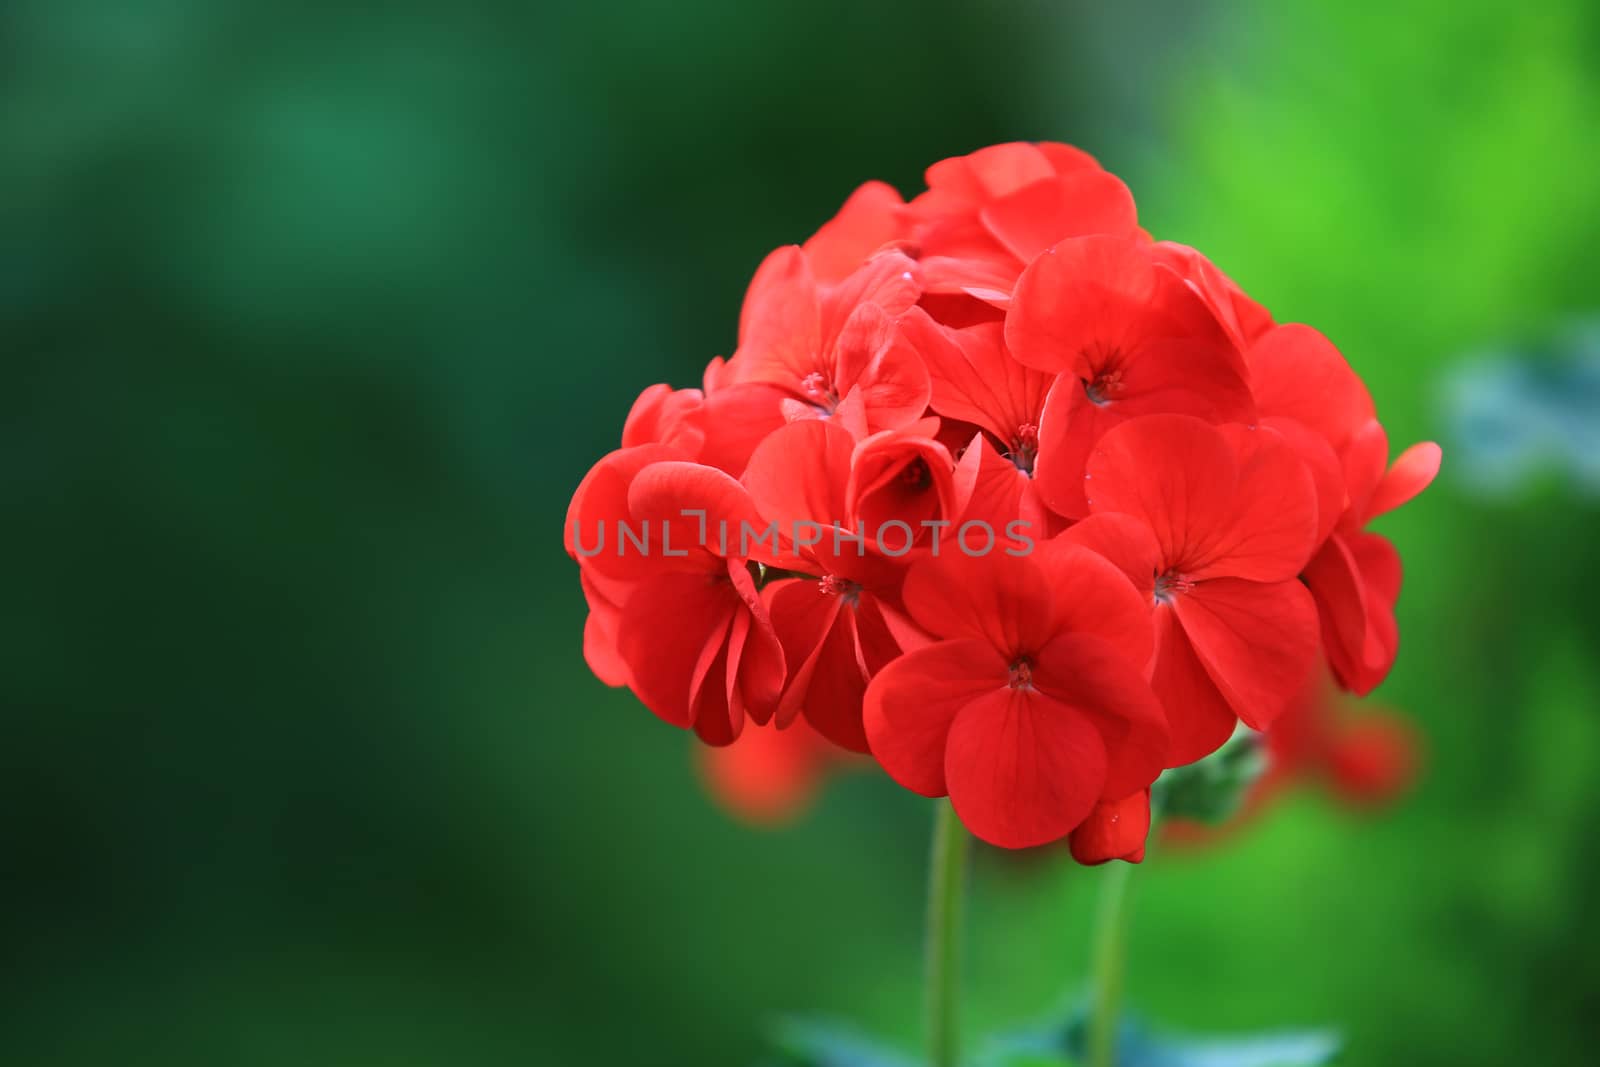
{"type": "Point", "coordinates": [1055, 1043]}
{"type": "Point", "coordinates": [809, 1043]}
{"type": "Point", "coordinates": [1027, 1058]}
{"type": "Point", "coordinates": [1289, 1048]}
{"type": "Point", "coordinates": [1211, 790]}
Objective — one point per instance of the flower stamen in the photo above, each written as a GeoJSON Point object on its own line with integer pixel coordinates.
{"type": "Point", "coordinates": [1025, 447]}
{"type": "Point", "coordinates": [843, 588]}
{"type": "Point", "coordinates": [819, 391]}
{"type": "Point", "coordinates": [1171, 585]}
{"type": "Point", "coordinates": [1022, 674]}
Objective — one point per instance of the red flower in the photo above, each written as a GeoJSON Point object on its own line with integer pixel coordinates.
{"type": "Point", "coordinates": [719, 427]}
{"type": "Point", "coordinates": [1031, 706]}
{"type": "Point", "coordinates": [1127, 336]}
{"type": "Point", "coordinates": [999, 488]}
{"type": "Point", "coordinates": [986, 215]}
{"type": "Point", "coordinates": [1213, 524]}
{"type": "Point", "coordinates": [833, 349]}
{"type": "Point", "coordinates": [977, 380]}
{"type": "Point", "coordinates": [677, 616]}
{"type": "Point", "coordinates": [833, 625]}
{"type": "Point", "coordinates": [1373, 759]}
{"type": "Point", "coordinates": [1355, 576]}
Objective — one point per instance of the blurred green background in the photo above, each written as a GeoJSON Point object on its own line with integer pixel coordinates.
{"type": "Point", "coordinates": [314, 315]}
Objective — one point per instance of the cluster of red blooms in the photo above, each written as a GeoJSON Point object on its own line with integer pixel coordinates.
{"type": "Point", "coordinates": [1008, 350]}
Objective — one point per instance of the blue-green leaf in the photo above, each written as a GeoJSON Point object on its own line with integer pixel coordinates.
{"type": "Point", "coordinates": [808, 1043]}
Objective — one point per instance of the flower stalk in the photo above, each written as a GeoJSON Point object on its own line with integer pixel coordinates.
{"type": "Point", "coordinates": [1108, 965]}
{"type": "Point", "coordinates": [947, 870]}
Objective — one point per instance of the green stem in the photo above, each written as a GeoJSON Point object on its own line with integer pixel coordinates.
{"type": "Point", "coordinates": [1109, 964]}
{"type": "Point", "coordinates": [946, 887]}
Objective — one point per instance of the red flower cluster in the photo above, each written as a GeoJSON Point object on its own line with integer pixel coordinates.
{"type": "Point", "coordinates": [999, 489]}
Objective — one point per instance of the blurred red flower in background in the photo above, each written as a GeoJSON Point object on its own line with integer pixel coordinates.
{"type": "Point", "coordinates": [1366, 757]}
{"type": "Point", "coordinates": [769, 777]}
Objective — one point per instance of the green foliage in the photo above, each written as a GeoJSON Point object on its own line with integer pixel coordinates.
{"type": "Point", "coordinates": [1064, 1041]}
{"type": "Point", "coordinates": [799, 1043]}
{"type": "Point", "coordinates": [1212, 789]}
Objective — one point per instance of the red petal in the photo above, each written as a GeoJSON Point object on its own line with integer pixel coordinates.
{"type": "Point", "coordinates": [663, 492]}
{"type": "Point", "coordinates": [1273, 512]}
{"type": "Point", "coordinates": [1001, 599]}
{"type": "Point", "coordinates": [1220, 501]}
{"type": "Point", "coordinates": [1413, 472]}
{"type": "Point", "coordinates": [872, 217]}
{"type": "Point", "coordinates": [1092, 595]}
{"type": "Point", "coordinates": [912, 703]}
{"type": "Point", "coordinates": [896, 476]}
{"type": "Point", "coordinates": [882, 373]}
{"type": "Point", "coordinates": [1243, 318]}
{"type": "Point", "coordinates": [780, 325]}
{"type": "Point", "coordinates": [1126, 542]}
{"type": "Point", "coordinates": [715, 720]}
{"type": "Point", "coordinates": [799, 474]}
{"type": "Point", "coordinates": [605, 599]}
{"type": "Point", "coordinates": [672, 628]}
{"type": "Point", "coordinates": [1089, 296]}
{"type": "Point", "coordinates": [1297, 373]}
{"type": "Point", "coordinates": [889, 281]}
{"type": "Point", "coordinates": [1023, 769]}
{"type": "Point", "coordinates": [994, 491]}
{"type": "Point", "coordinates": [664, 415]}
{"type": "Point", "coordinates": [1098, 681]}
{"type": "Point", "coordinates": [974, 378]}
{"type": "Point", "coordinates": [1379, 566]}
{"type": "Point", "coordinates": [1365, 460]}
{"type": "Point", "coordinates": [827, 677]}
{"type": "Point", "coordinates": [737, 419]}
{"type": "Point", "coordinates": [1084, 202]}
{"type": "Point", "coordinates": [1327, 476]}
{"type": "Point", "coordinates": [600, 503]}
{"type": "Point", "coordinates": [756, 664]}
{"type": "Point", "coordinates": [1069, 427]}
{"type": "Point", "coordinates": [1175, 473]}
{"type": "Point", "coordinates": [802, 616]}
{"type": "Point", "coordinates": [1336, 585]}
{"type": "Point", "coordinates": [1197, 714]}
{"type": "Point", "coordinates": [1258, 641]}
{"type": "Point", "coordinates": [1065, 158]}
{"type": "Point", "coordinates": [985, 174]}
{"type": "Point", "coordinates": [1115, 830]}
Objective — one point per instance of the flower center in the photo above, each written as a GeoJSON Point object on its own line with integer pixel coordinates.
{"type": "Point", "coordinates": [819, 391]}
{"type": "Point", "coordinates": [1171, 585]}
{"type": "Point", "coordinates": [1022, 674]}
{"type": "Point", "coordinates": [915, 475]}
{"type": "Point", "coordinates": [1104, 383]}
{"type": "Point", "coordinates": [1104, 387]}
{"type": "Point", "coordinates": [843, 588]}
{"type": "Point", "coordinates": [1025, 447]}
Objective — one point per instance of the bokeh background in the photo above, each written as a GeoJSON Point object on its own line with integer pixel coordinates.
{"type": "Point", "coordinates": [313, 316]}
